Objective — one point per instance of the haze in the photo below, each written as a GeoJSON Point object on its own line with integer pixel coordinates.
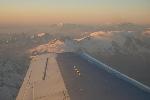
{"type": "Point", "coordinates": [74, 11]}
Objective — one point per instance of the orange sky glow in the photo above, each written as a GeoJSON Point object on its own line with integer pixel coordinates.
{"type": "Point", "coordinates": [80, 11]}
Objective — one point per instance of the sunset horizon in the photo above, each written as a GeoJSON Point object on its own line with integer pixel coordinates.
{"type": "Point", "coordinates": [79, 11]}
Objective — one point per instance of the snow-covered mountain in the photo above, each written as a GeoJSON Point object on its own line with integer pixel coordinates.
{"type": "Point", "coordinates": [104, 42]}
{"type": "Point", "coordinates": [124, 38]}
{"type": "Point", "coordinates": [126, 42]}
{"type": "Point", "coordinates": [56, 46]}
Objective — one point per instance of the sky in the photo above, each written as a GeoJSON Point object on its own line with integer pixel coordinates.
{"type": "Point", "coordinates": [74, 11]}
